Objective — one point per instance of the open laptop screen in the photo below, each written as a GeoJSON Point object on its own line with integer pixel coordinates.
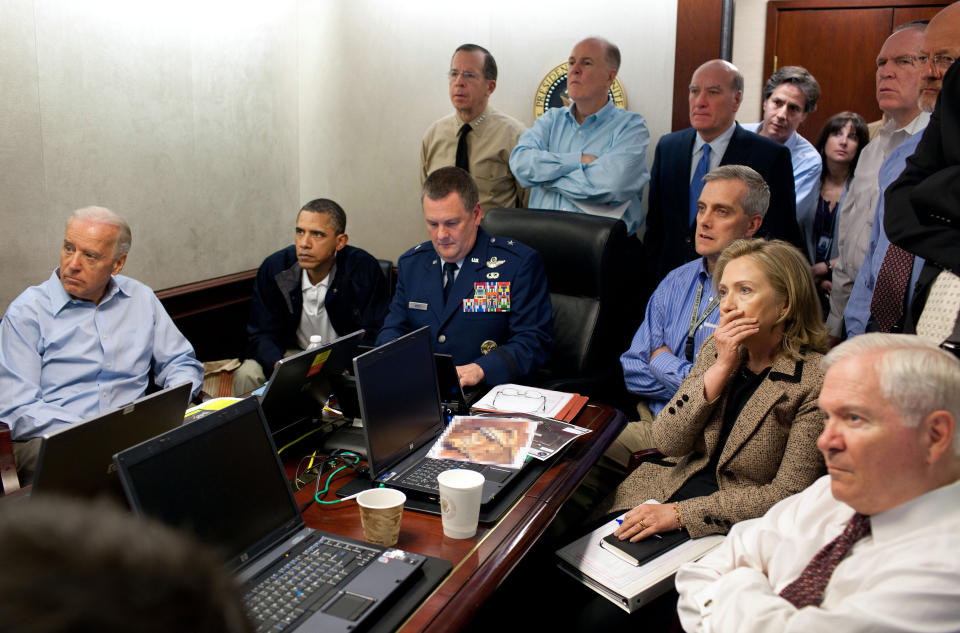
{"type": "Point", "coordinates": [399, 401]}
{"type": "Point", "coordinates": [219, 478]}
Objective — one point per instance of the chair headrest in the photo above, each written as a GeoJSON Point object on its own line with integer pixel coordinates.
{"type": "Point", "coordinates": [576, 247]}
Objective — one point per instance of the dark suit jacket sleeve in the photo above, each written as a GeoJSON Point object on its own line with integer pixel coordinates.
{"type": "Point", "coordinates": [364, 297]}
{"type": "Point", "coordinates": [923, 204]}
{"type": "Point", "coordinates": [269, 320]}
{"type": "Point", "coordinates": [654, 237]}
{"type": "Point", "coordinates": [781, 219]}
{"type": "Point", "coordinates": [530, 325]}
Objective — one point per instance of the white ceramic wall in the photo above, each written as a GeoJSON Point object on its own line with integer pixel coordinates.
{"type": "Point", "coordinates": [207, 122]}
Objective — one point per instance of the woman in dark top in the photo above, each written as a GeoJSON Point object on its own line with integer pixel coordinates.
{"type": "Point", "coordinates": [840, 142]}
{"type": "Point", "coordinates": [741, 431]}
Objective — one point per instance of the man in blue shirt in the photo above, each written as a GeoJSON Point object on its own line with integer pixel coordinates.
{"type": "Point", "coordinates": [87, 340]}
{"type": "Point", "coordinates": [590, 157]}
{"type": "Point", "coordinates": [790, 94]}
{"type": "Point", "coordinates": [484, 297]}
{"type": "Point", "coordinates": [939, 45]}
{"type": "Point", "coordinates": [682, 312]}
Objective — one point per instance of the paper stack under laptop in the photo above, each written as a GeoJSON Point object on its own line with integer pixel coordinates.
{"type": "Point", "coordinates": [510, 398]}
{"type": "Point", "coordinates": [628, 586]}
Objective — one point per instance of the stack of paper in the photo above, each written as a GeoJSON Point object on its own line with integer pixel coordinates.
{"type": "Point", "coordinates": [628, 586]}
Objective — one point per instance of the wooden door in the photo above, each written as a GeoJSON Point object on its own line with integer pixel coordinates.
{"type": "Point", "coordinates": [838, 42]}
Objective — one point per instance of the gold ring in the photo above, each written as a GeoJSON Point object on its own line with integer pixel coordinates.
{"type": "Point", "coordinates": [643, 526]}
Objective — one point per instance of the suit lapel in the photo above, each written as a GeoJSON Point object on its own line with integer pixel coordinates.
{"type": "Point", "coordinates": [734, 152]}
{"type": "Point", "coordinates": [784, 371]}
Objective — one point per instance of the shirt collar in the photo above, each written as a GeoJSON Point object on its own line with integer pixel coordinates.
{"type": "Point", "coordinates": [705, 277]}
{"type": "Point", "coordinates": [477, 123]}
{"type": "Point", "coordinates": [305, 279]}
{"type": "Point", "coordinates": [918, 123]}
{"type": "Point", "coordinates": [59, 298]}
{"type": "Point", "coordinates": [720, 142]}
{"type": "Point", "coordinates": [603, 113]}
{"type": "Point", "coordinates": [916, 514]}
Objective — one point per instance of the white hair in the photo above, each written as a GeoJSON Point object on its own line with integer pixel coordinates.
{"type": "Point", "coordinates": [103, 215]}
{"type": "Point", "coordinates": [914, 375]}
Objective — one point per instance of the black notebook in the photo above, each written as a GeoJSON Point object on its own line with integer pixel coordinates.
{"type": "Point", "coordinates": [640, 552]}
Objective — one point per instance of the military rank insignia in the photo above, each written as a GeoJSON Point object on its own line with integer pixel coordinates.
{"type": "Point", "coordinates": [491, 296]}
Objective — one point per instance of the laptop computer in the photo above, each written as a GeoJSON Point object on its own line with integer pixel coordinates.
{"type": "Point", "coordinates": [301, 383]}
{"type": "Point", "coordinates": [402, 418]}
{"type": "Point", "coordinates": [453, 396]}
{"type": "Point", "coordinates": [220, 479]}
{"type": "Point", "coordinates": [77, 460]}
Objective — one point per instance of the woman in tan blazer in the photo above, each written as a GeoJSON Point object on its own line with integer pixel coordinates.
{"type": "Point", "coordinates": [740, 433]}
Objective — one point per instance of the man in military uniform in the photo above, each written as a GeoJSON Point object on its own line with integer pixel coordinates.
{"type": "Point", "coordinates": [484, 297]}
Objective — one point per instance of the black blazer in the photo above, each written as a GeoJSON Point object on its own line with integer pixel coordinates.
{"type": "Point", "coordinates": [669, 237]}
{"type": "Point", "coordinates": [923, 205]}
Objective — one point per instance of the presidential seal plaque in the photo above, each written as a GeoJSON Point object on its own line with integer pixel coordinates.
{"type": "Point", "coordinates": [552, 92]}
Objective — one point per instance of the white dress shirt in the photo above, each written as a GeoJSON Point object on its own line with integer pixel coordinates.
{"type": "Point", "coordinates": [314, 318]}
{"type": "Point", "coordinates": [904, 576]}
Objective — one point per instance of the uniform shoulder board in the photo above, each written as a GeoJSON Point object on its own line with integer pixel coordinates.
{"type": "Point", "coordinates": [423, 247]}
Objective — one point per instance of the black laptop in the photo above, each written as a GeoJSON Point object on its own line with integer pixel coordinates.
{"type": "Point", "coordinates": [77, 460]}
{"type": "Point", "coordinates": [453, 396]}
{"type": "Point", "coordinates": [402, 418]}
{"type": "Point", "coordinates": [301, 383]}
{"type": "Point", "coordinates": [220, 478]}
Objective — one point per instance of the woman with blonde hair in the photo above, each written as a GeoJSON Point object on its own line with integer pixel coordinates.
{"type": "Point", "coordinates": [740, 433]}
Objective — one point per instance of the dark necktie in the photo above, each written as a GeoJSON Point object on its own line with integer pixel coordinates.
{"type": "Point", "coordinates": [449, 270]}
{"type": "Point", "coordinates": [890, 289]}
{"type": "Point", "coordinates": [463, 160]}
{"type": "Point", "coordinates": [696, 185]}
{"type": "Point", "coordinates": [807, 590]}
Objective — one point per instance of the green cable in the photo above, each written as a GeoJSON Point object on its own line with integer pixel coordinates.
{"type": "Point", "coordinates": [317, 496]}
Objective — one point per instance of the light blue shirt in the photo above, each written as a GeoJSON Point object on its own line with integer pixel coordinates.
{"type": "Point", "coordinates": [65, 360]}
{"type": "Point", "coordinates": [807, 166]}
{"type": "Point", "coordinates": [857, 314]}
{"type": "Point", "coordinates": [547, 160]}
{"type": "Point", "coordinates": [667, 323]}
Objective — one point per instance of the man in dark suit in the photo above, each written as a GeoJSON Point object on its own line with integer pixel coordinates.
{"type": "Point", "coordinates": [681, 160]}
{"type": "Point", "coordinates": [484, 297]}
{"type": "Point", "coordinates": [923, 216]}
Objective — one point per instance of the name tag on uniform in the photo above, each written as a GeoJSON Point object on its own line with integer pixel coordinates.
{"type": "Point", "coordinates": [492, 296]}
{"type": "Point", "coordinates": [416, 305]}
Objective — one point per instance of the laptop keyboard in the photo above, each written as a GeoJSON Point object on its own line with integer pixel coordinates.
{"type": "Point", "coordinates": [305, 583]}
{"type": "Point", "coordinates": [425, 475]}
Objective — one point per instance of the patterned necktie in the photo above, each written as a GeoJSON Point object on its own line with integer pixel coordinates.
{"type": "Point", "coordinates": [807, 590]}
{"type": "Point", "coordinates": [696, 185]}
{"type": "Point", "coordinates": [891, 288]}
{"type": "Point", "coordinates": [939, 315]}
{"type": "Point", "coordinates": [463, 161]}
{"type": "Point", "coordinates": [449, 270]}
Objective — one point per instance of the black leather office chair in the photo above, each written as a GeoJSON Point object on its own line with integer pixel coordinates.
{"type": "Point", "coordinates": [386, 267]}
{"type": "Point", "coordinates": [595, 277]}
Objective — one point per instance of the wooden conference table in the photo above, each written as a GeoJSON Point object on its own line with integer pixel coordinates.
{"type": "Point", "coordinates": [481, 563]}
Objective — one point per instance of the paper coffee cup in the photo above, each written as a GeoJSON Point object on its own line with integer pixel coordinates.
{"type": "Point", "coordinates": [380, 512]}
{"type": "Point", "coordinates": [460, 491]}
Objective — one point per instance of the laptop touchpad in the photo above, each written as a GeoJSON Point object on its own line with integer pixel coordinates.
{"type": "Point", "coordinates": [348, 606]}
{"type": "Point", "coordinates": [497, 475]}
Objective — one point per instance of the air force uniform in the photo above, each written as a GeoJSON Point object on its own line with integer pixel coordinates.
{"type": "Point", "coordinates": [498, 313]}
